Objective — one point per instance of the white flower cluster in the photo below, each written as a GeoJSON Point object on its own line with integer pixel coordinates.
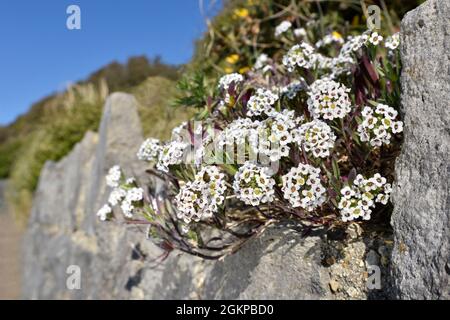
{"type": "Point", "coordinates": [315, 137]}
{"type": "Point", "coordinates": [239, 132]}
{"type": "Point", "coordinates": [292, 89]}
{"type": "Point", "coordinates": [300, 55]}
{"type": "Point", "coordinates": [149, 150]}
{"type": "Point", "coordinates": [171, 154]}
{"type": "Point", "coordinates": [353, 44]}
{"type": "Point", "coordinates": [302, 187]}
{"type": "Point", "coordinates": [282, 28]}
{"type": "Point", "coordinates": [274, 134]}
{"type": "Point", "coordinates": [344, 61]}
{"type": "Point", "coordinates": [358, 200]}
{"type": "Point", "coordinates": [104, 213]}
{"type": "Point", "coordinates": [300, 32]}
{"type": "Point", "coordinates": [393, 42]}
{"type": "Point", "coordinates": [378, 125]}
{"type": "Point", "coordinates": [253, 185]}
{"type": "Point", "coordinates": [261, 102]}
{"type": "Point", "coordinates": [199, 199]}
{"type": "Point", "coordinates": [328, 99]}
{"type": "Point", "coordinates": [116, 196]}
{"type": "Point", "coordinates": [124, 192]}
{"type": "Point", "coordinates": [113, 177]}
{"type": "Point", "coordinates": [226, 81]}
{"type": "Point", "coordinates": [132, 197]}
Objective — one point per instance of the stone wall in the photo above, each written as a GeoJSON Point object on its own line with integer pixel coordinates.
{"type": "Point", "coordinates": [421, 218]}
{"type": "Point", "coordinates": [117, 262]}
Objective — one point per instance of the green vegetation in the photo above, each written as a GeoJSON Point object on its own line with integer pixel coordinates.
{"type": "Point", "coordinates": [244, 29]}
{"type": "Point", "coordinates": [158, 119]}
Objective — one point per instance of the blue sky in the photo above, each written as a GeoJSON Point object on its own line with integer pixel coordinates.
{"type": "Point", "coordinates": [39, 55]}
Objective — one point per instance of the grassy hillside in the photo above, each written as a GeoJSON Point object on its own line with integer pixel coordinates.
{"type": "Point", "coordinates": [52, 126]}
{"type": "Point", "coordinates": [158, 118]}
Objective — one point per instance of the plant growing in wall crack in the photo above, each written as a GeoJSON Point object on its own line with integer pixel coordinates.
{"type": "Point", "coordinates": [308, 133]}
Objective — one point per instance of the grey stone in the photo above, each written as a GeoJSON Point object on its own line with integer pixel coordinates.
{"type": "Point", "coordinates": [63, 229]}
{"type": "Point", "coordinates": [118, 262]}
{"type": "Point", "coordinates": [421, 215]}
{"type": "Point", "coordinates": [278, 265]}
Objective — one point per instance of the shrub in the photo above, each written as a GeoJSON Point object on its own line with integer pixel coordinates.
{"type": "Point", "coordinates": [308, 134]}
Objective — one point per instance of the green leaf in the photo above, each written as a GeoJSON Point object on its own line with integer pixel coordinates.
{"type": "Point", "coordinates": [336, 171]}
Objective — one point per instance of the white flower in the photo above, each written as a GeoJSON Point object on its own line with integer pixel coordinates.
{"type": "Point", "coordinates": [227, 80]}
{"type": "Point", "coordinates": [328, 99]}
{"type": "Point", "coordinates": [149, 150]}
{"type": "Point", "coordinates": [358, 200]}
{"type": "Point", "coordinates": [300, 32]}
{"type": "Point", "coordinates": [315, 137]}
{"type": "Point", "coordinates": [397, 127]}
{"type": "Point", "coordinates": [104, 212]}
{"type": "Point", "coordinates": [347, 192]}
{"type": "Point", "coordinates": [134, 194]}
{"type": "Point", "coordinates": [261, 61]}
{"type": "Point", "coordinates": [239, 132]}
{"type": "Point", "coordinates": [302, 187]}
{"type": "Point", "coordinates": [261, 102]}
{"type": "Point", "coordinates": [116, 196]}
{"type": "Point", "coordinates": [171, 154]}
{"type": "Point", "coordinates": [253, 185]}
{"type": "Point", "coordinates": [300, 55]}
{"type": "Point", "coordinates": [113, 177]}
{"type": "Point", "coordinates": [274, 134]}
{"type": "Point", "coordinates": [375, 38]}
{"type": "Point", "coordinates": [353, 44]}
{"type": "Point", "coordinates": [282, 28]}
{"type": "Point", "coordinates": [130, 198]}
{"type": "Point", "coordinates": [199, 199]}
{"type": "Point", "coordinates": [393, 42]}
{"type": "Point", "coordinates": [293, 88]}
{"type": "Point", "coordinates": [127, 208]}
{"type": "Point", "coordinates": [378, 125]}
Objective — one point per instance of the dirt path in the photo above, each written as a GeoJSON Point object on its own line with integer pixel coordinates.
{"type": "Point", "coordinates": [10, 253]}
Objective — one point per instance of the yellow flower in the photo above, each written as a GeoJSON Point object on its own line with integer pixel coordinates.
{"type": "Point", "coordinates": [241, 13]}
{"type": "Point", "coordinates": [228, 70]}
{"type": "Point", "coordinates": [244, 70]}
{"type": "Point", "coordinates": [336, 35]}
{"type": "Point", "coordinates": [232, 59]}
